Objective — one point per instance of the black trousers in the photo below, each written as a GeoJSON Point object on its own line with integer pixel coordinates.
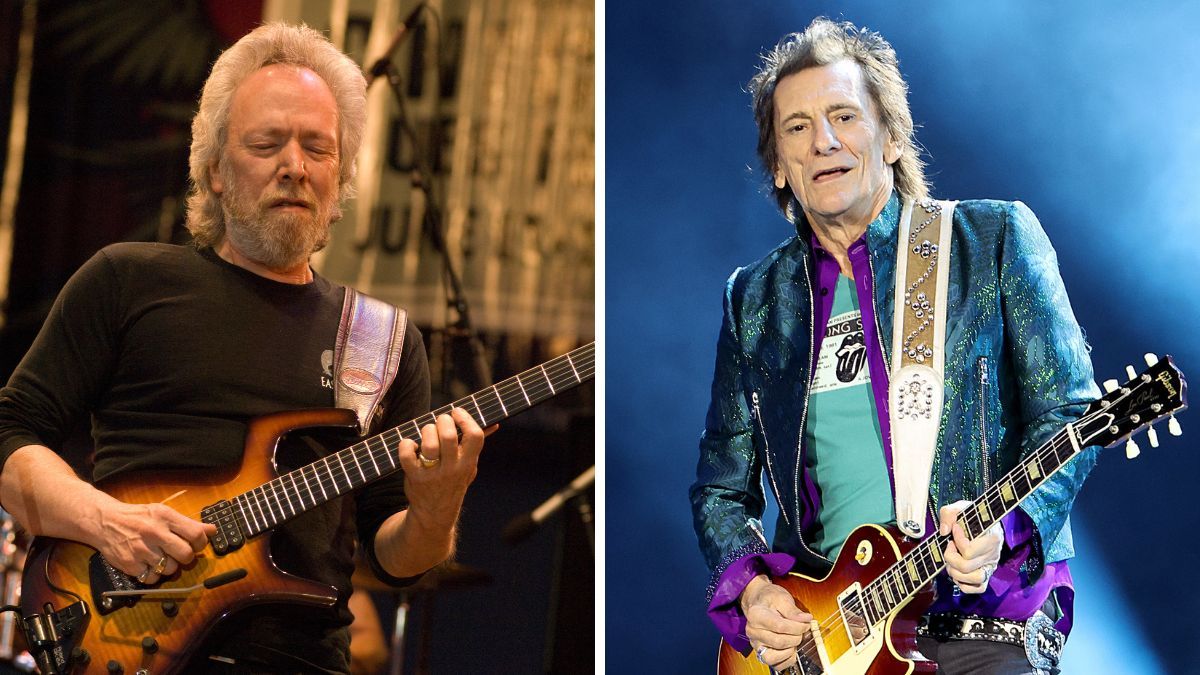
{"type": "Point", "coordinates": [977, 657]}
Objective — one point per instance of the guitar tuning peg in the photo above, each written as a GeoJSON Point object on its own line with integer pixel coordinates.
{"type": "Point", "coordinates": [1151, 359]}
{"type": "Point", "coordinates": [1131, 372]}
{"type": "Point", "coordinates": [1111, 385]}
{"type": "Point", "coordinates": [1173, 427]}
{"type": "Point", "coordinates": [1152, 435]}
{"type": "Point", "coordinates": [1131, 449]}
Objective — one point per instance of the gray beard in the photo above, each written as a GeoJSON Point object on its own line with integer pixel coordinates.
{"type": "Point", "coordinates": [274, 240]}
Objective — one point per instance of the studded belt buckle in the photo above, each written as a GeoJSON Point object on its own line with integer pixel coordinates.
{"type": "Point", "coordinates": [1043, 642]}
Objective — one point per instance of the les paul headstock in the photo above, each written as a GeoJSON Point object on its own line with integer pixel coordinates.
{"type": "Point", "coordinates": [1159, 391]}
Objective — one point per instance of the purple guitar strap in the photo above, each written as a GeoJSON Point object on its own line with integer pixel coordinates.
{"type": "Point", "coordinates": [370, 338]}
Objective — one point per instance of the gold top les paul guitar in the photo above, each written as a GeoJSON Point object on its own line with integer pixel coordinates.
{"type": "Point", "coordinates": [83, 616]}
{"type": "Point", "coordinates": [865, 610]}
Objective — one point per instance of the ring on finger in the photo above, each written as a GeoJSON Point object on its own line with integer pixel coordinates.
{"type": "Point", "coordinates": [759, 652]}
{"type": "Point", "coordinates": [988, 570]}
{"type": "Point", "coordinates": [161, 566]}
{"type": "Point", "coordinates": [426, 462]}
{"type": "Point", "coordinates": [142, 577]}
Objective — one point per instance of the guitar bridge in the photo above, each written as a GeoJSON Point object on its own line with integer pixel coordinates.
{"type": "Point", "coordinates": [229, 535]}
{"type": "Point", "coordinates": [103, 577]}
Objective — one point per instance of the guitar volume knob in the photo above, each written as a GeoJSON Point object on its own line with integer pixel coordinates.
{"type": "Point", "coordinates": [149, 645]}
{"type": "Point", "coordinates": [115, 668]}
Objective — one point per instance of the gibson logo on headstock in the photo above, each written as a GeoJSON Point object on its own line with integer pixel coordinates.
{"type": "Point", "coordinates": [1165, 378]}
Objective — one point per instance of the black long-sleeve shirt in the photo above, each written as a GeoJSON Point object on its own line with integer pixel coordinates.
{"type": "Point", "coordinates": [172, 351]}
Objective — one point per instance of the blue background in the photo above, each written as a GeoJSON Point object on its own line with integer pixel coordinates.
{"type": "Point", "coordinates": [1085, 111]}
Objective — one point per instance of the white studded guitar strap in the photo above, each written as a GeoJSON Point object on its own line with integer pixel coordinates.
{"type": "Point", "coordinates": [918, 354]}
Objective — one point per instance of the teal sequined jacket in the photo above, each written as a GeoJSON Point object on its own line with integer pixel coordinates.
{"type": "Point", "coordinates": [1016, 366]}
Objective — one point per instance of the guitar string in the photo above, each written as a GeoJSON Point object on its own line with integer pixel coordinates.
{"type": "Point", "coordinates": [893, 576]}
{"type": "Point", "coordinates": [1042, 453]}
{"type": "Point", "coordinates": [271, 506]}
{"type": "Point", "coordinates": [542, 377]}
{"type": "Point", "coordinates": [267, 492]}
{"type": "Point", "coordinates": [836, 618]}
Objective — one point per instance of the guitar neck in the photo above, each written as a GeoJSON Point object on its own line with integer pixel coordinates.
{"type": "Point", "coordinates": [912, 572]}
{"type": "Point", "coordinates": [293, 493]}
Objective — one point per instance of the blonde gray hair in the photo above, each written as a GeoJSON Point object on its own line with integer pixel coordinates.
{"type": "Point", "coordinates": [269, 44]}
{"type": "Point", "coordinates": [825, 42]}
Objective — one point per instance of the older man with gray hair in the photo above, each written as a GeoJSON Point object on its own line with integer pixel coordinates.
{"type": "Point", "coordinates": [171, 350]}
{"type": "Point", "coordinates": [883, 366]}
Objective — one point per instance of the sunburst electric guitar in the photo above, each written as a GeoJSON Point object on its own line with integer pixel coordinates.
{"type": "Point", "coordinates": [865, 610]}
{"type": "Point", "coordinates": [83, 616]}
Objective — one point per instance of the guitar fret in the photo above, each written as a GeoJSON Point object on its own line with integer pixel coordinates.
{"type": "Point", "coordinates": [264, 509]}
{"type": "Point", "coordinates": [304, 475]}
{"type": "Point", "coordinates": [357, 463]}
{"type": "Point", "coordinates": [548, 382]}
{"type": "Point", "coordinates": [287, 495]}
{"type": "Point", "coordinates": [389, 452]}
{"type": "Point", "coordinates": [524, 393]}
{"type": "Point", "coordinates": [344, 472]}
{"type": "Point", "coordinates": [272, 501]}
{"type": "Point", "coordinates": [242, 507]}
{"type": "Point", "coordinates": [320, 481]}
{"type": "Point", "coordinates": [371, 456]}
{"type": "Point", "coordinates": [478, 413]}
{"type": "Point", "coordinates": [296, 489]}
{"type": "Point", "coordinates": [332, 479]}
{"type": "Point", "coordinates": [501, 401]}
{"type": "Point", "coordinates": [571, 363]}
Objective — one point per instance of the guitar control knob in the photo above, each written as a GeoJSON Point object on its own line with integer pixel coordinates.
{"type": "Point", "coordinates": [80, 655]}
{"type": "Point", "coordinates": [115, 668]}
{"type": "Point", "coordinates": [170, 608]}
{"type": "Point", "coordinates": [149, 645]}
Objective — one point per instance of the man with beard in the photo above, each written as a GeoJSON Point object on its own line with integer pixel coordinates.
{"type": "Point", "coordinates": [171, 350]}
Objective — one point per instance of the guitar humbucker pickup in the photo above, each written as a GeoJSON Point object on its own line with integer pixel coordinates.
{"type": "Point", "coordinates": [228, 536]}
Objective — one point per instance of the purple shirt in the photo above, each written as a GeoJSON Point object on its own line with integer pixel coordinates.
{"type": "Point", "coordinates": [1006, 596]}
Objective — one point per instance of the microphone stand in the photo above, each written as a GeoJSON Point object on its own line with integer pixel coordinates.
{"type": "Point", "coordinates": [523, 525]}
{"type": "Point", "coordinates": [422, 178]}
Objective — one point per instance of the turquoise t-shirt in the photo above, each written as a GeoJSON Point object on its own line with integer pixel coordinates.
{"type": "Point", "coordinates": [845, 447]}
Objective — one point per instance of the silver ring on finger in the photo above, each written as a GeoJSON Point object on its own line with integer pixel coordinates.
{"type": "Point", "coordinates": [760, 652]}
{"type": "Point", "coordinates": [988, 570]}
{"type": "Point", "coordinates": [427, 463]}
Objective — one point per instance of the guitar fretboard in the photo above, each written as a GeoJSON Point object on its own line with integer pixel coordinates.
{"type": "Point", "coordinates": [291, 494]}
{"type": "Point", "coordinates": [902, 580]}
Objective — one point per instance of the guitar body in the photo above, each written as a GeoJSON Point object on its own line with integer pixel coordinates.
{"type": "Point", "coordinates": [117, 635]}
{"type": "Point", "coordinates": [884, 578]}
{"type": "Point", "coordinates": [890, 645]}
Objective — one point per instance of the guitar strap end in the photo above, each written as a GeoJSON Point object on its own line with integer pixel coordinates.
{"type": "Point", "coordinates": [366, 357]}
